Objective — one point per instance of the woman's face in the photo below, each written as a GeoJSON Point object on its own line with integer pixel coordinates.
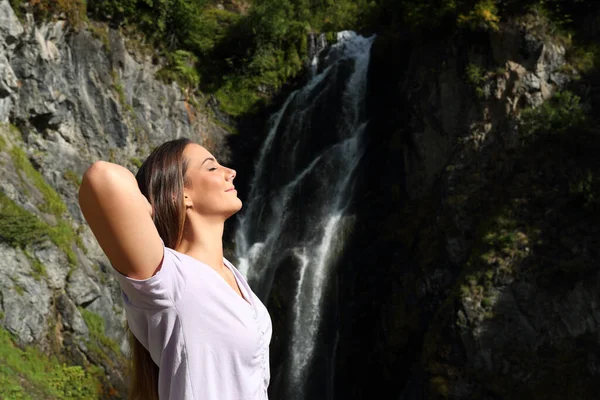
{"type": "Point", "coordinates": [209, 187]}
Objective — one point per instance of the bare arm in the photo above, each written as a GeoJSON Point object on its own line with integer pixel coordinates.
{"type": "Point", "coordinates": [120, 218]}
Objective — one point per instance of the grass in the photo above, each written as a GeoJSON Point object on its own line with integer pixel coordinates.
{"type": "Point", "coordinates": [53, 203]}
{"type": "Point", "coordinates": [120, 90]}
{"type": "Point", "coordinates": [39, 270]}
{"type": "Point", "coordinates": [101, 345]}
{"type": "Point", "coordinates": [26, 373]}
{"type": "Point", "coordinates": [21, 227]}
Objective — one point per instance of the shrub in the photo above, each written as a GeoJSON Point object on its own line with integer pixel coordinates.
{"type": "Point", "coordinates": [484, 16]}
{"type": "Point", "coordinates": [181, 68]}
{"type": "Point", "coordinates": [19, 227]}
{"type": "Point", "coordinates": [26, 373]}
{"type": "Point", "coordinates": [73, 10]}
{"type": "Point", "coordinates": [559, 114]}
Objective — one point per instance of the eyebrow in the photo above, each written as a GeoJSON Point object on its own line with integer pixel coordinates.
{"type": "Point", "coordinates": [208, 159]}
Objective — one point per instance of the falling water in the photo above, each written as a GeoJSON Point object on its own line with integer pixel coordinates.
{"type": "Point", "coordinates": [299, 195]}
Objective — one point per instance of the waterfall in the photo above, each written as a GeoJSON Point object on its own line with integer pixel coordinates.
{"type": "Point", "coordinates": [297, 208]}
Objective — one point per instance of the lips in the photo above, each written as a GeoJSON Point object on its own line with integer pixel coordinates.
{"type": "Point", "coordinates": [230, 189]}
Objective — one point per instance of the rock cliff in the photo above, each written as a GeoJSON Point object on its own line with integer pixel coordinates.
{"type": "Point", "coordinates": [67, 98]}
{"type": "Point", "coordinates": [479, 279]}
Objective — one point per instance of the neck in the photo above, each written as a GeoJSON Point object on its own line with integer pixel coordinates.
{"type": "Point", "coordinates": [203, 240]}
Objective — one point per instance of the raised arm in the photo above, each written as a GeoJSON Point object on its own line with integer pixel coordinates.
{"type": "Point", "coordinates": [120, 218]}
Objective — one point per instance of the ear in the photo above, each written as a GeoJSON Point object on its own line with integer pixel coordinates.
{"type": "Point", "coordinates": [187, 199]}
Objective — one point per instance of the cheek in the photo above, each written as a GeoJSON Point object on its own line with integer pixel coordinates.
{"type": "Point", "coordinates": [207, 189]}
{"type": "Point", "coordinates": [211, 185]}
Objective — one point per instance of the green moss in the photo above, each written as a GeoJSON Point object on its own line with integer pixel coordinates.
{"type": "Point", "coordinates": [562, 113]}
{"type": "Point", "coordinates": [14, 130]}
{"type": "Point", "coordinates": [100, 32]}
{"type": "Point", "coordinates": [39, 270]}
{"type": "Point", "coordinates": [112, 155]}
{"type": "Point", "coordinates": [78, 239]}
{"type": "Point", "coordinates": [72, 177]}
{"type": "Point", "coordinates": [121, 94]}
{"type": "Point", "coordinates": [136, 162]}
{"type": "Point", "coordinates": [63, 236]}
{"type": "Point", "coordinates": [181, 68]}
{"type": "Point", "coordinates": [19, 289]}
{"type": "Point", "coordinates": [19, 228]}
{"type": "Point", "coordinates": [232, 130]}
{"type": "Point", "coordinates": [103, 348]}
{"type": "Point", "coordinates": [26, 373]}
{"type": "Point", "coordinates": [94, 322]}
{"type": "Point", "coordinates": [2, 143]}
{"type": "Point", "coordinates": [31, 228]}
{"type": "Point", "coordinates": [53, 202]}
{"type": "Point", "coordinates": [120, 90]}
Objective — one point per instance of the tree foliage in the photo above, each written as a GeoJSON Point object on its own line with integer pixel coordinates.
{"type": "Point", "coordinates": [246, 50]}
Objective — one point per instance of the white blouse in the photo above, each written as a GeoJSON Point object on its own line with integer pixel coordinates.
{"type": "Point", "coordinates": [209, 343]}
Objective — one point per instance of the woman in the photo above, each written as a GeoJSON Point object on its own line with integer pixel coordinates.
{"type": "Point", "coordinates": [199, 332]}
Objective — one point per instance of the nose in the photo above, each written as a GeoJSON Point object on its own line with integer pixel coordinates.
{"type": "Point", "coordinates": [231, 174]}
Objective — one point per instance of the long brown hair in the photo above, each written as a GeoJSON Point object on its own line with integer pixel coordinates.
{"type": "Point", "coordinates": [161, 178]}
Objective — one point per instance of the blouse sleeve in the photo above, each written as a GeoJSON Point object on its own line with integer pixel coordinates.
{"type": "Point", "coordinates": [161, 290]}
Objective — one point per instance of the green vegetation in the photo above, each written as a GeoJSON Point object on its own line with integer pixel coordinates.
{"type": "Point", "coordinates": [102, 347]}
{"type": "Point", "coordinates": [182, 68]}
{"type": "Point", "coordinates": [17, 287]}
{"type": "Point", "coordinates": [584, 58]}
{"type": "Point", "coordinates": [53, 203]}
{"type": "Point", "coordinates": [562, 113]}
{"type": "Point", "coordinates": [19, 228]}
{"type": "Point", "coordinates": [504, 241]}
{"type": "Point", "coordinates": [100, 32]}
{"type": "Point", "coordinates": [22, 227]}
{"type": "Point", "coordinates": [241, 54]}
{"type": "Point", "coordinates": [73, 10]}
{"type": "Point", "coordinates": [8, 134]}
{"type": "Point", "coordinates": [475, 78]}
{"type": "Point", "coordinates": [484, 16]}
{"type": "Point", "coordinates": [39, 270]}
{"type": "Point", "coordinates": [118, 87]}
{"type": "Point", "coordinates": [27, 374]}
{"type": "Point", "coordinates": [136, 162]}
{"type": "Point", "coordinates": [585, 184]}
{"type": "Point", "coordinates": [245, 52]}
{"type": "Point", "coordinates": [72, 177]}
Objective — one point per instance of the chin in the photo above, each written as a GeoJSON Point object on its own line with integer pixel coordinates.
{"type": "Point", "coordinates": [235, 209]}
